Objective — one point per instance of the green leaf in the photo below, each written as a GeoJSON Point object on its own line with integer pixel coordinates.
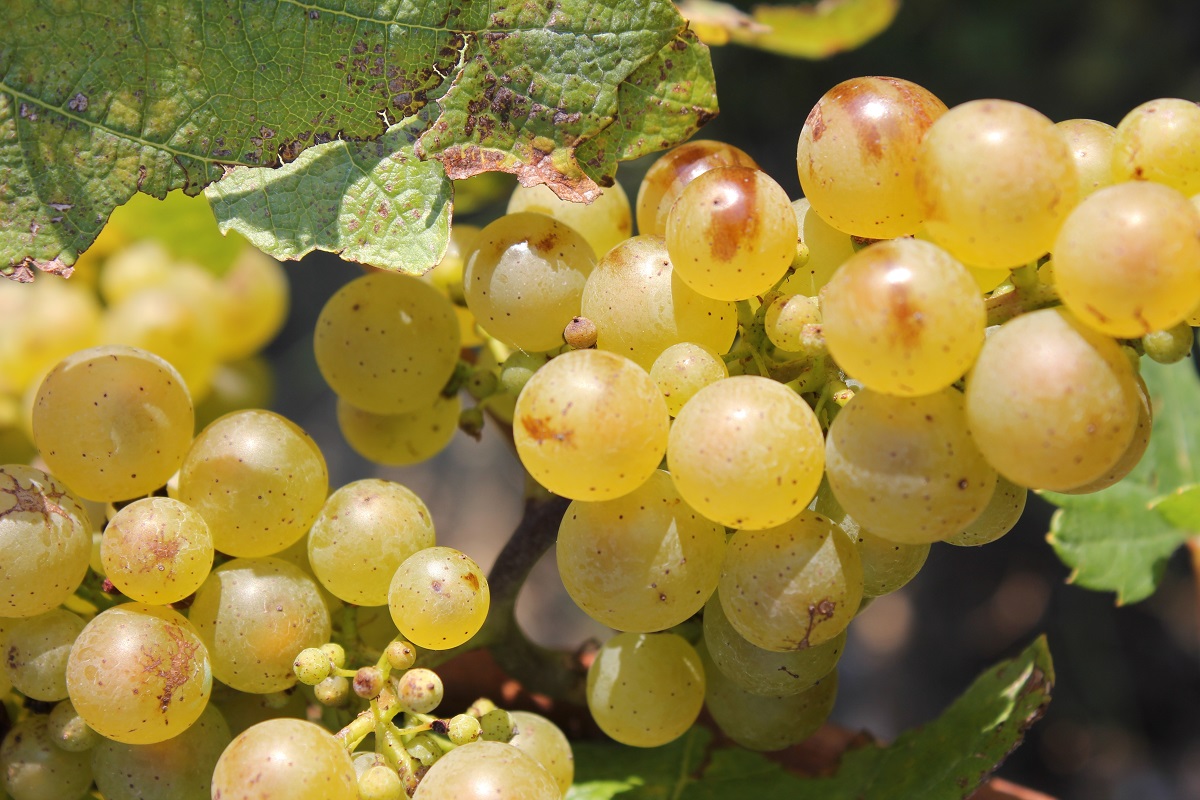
{"type": "Point", "coordinates": [802, 30]}
{"type": "Point", "coordinates": [374, 202]}
{"type": "Point", "coordinates": [1111, 539]}
{"type": "Point", "coordinates": [99, 100]}
{"type": "Point", "coordinates": [1181, 509]}
{"type": "Point", "coordinates": [945, 760]}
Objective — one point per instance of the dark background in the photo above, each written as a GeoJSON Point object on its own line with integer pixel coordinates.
{"type": "Point", "coordinates": [1124, 723]}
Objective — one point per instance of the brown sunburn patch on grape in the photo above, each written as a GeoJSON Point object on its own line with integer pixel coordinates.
{"type": "Point", "coordinates": [177, 671]}
{"type": "Point", "coordinates": [540, 430]}
{"type": "Point", "coordinates": [735, 220]}
{"type": "Point", "coordinates": [856, 98]}
{"type": "Point", "coordinates": [815, 123]}
{"type": "Point", "coordinates": [34, 500]}
{"type": "Point", "coordinates": [905, 321]}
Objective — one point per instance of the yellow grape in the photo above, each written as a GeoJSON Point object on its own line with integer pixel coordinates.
{"type": "Point", "coordinates": [857, 154]}
{"type": "Point", "coordinates": [1127, 260]}
{"type": "Point", "coordinates": [591, 425]}
{"type": "Point", "coordinates": [400, 439]}
{"type": "Point", "coordinates": [35, 651]}
{"type": "Point", "coordinates": [1160, 141]}
{"type": "Point", "coordinates": [674, 170]}
{"type": "Point", "coordinates": [42, 324]}
{"type": "Point", "coordinates": [827, 249]}
{"type": "Point", "coordinates": [641, 307]}
{"type": "Point", "coordinates": [1091, 144]}
{"type": "Point", "coordinates": [903, 317]}
{"type": "Point", "coordinates": [732, 233]}
{"type": "Point", "coordinates": [285, 758]}
{"type": "Point", "coordinates": [545, 741]}
{"type": "Point", "coordinates": [684, 369]}
{"type": "Point", "coordinates": [786, 317]}
{"type": "Point", "coordinates": [998, 517]}
{"type": "Point", "coordinates": [996, 180]}
{"type": "Point", "coordinates": [746, 452]}
{"type": "Point", "coordinates": [1133, 453]}
{"type": "Point", "coordinates": [253, 299]}
{"type": "Point", "coordinates": [604, 223]}
{"type": "Point", "coordinates": [157, 550]}
{"type": "Point", "coordinates": [439, 598]}
{"type": "Point", "coordinates": [487, 771]}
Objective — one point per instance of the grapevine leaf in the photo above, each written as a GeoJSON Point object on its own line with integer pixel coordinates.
{"type": "Point", "coordinates": [1110, 539]}
{"type": "Point", "coordinates": [375, 202]}
{"type": "Point", "coordinates": [1181, 509]}
{"type": "Point", "coordinates": [945, 760]}
{"type": "Point", "coordinates": [805, 30]}
{"type": "Point", "coordinates": [99, 101]}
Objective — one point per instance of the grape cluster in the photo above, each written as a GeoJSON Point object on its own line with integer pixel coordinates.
{"type": "Point", "coordinates": [763, 412]}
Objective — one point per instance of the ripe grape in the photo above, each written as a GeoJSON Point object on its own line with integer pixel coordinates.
{"type": "Point", "coordinates": [906, 468]}
{"type": "Point", "coordinates": [591, 425]}
{"type": "Point", "coordinates": [255, 615]}
{"type": "Point", "coordinates": [732, 233]}
{"type": "Point", "coordinates": [641, 306]}
{"type": "Point", "coordinates": [794, 586]}
{"type": "Point", "coordinates": [157, 550]}
{"type": "Point", "coordinates": [524, 279]}
{"type": "Point", "coordinates": [746, 452]}
{"type": "Point", "coordinates": [1091, 144]}
{"type": "Point", "coordinates": [786, 317]}
{"type": "Point", "coordinates": [33, 768]}
{"type": "Point", "coordinates": [139, 674]}
{"type": "Point", "coordinates": [604, 223]}
{"type": "Point", "coordinates": [1051, 403]}
{"type": "Point", "coordinates": [400, 439]}
{"type": "Point", "coordinates": [645, 690]}
{"type": "Point", "coordinates": [542, 739]}
{"type": "Point", "coordinates": [43, 324]}
{"type": "Point", "coordinates": [487, 771]}
{"type": "Point", "coordinates": [387, 343]}
{"type": "Point", "coordinates": [1160, 141]}
{"type": "Point", "coordinates": [645, 561]}
{"type": "Point", "coordinates": [45, 541]}
{"type": "Point", "coordinates": [674, 170]}
{"type": "Point", "coordinates": [826, 249]}
{"type": "Point", "coordinates": [258, 480]}
{"type": "Point", "coordinates": [996, 180]}
{"type": "Point", "coordinates": [684, 369]}
{"type": "Point", "coordinates": [285, 759]}
{"type": "Point", "coordinates": [365, 530]}
{"type": "Point", "coordinates": [253, 301]}
{"type": "Point", "coordinates": [998, 517]}
{"type": "Point", "coordinates": [35, 653]}
{"type": "Point", "coordinates": [439, 598]}
{"type": "Point", "coordinates": [1127, 260]}
{"type": "Point", "coordinates": [113, 422]}
{"type": "Point", "coordinates": [903, 317]}
{"type": "Point", "coordinates": [1133, 453]}
{"type": "Point", "coordinates": [857, 154]}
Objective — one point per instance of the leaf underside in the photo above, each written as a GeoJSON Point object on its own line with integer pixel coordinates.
{"type": "Point", "coordinates": [103, 98]}
{"type": "Point", "coordinates": [947, 759]}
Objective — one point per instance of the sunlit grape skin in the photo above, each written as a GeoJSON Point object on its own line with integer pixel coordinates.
{"type": "Point", "coordinates": [903, 317]}
{"type": "Point", "coordinates": [1091, 144]}
{"type": "Point", "coordinates": [684, 369]}
{"type": "Point", "coordinates": [746, 452]}
{"type": "Point", "coordinates": [857, 153]}
{"type": "Point", "coordinates": [545, 741]}
{"type": "Point", "coordinates": [487, 771]}
{"type": "Point", "coordinates": [674, 170]}
{"type": "Point", "coordinates": [1160, 141]}
{"type": "Point", "coordinates": [157, 550]}
{"type": "Point", "coordinates": [1127, 259]}
{"type": "Point", "coordinates": [995, 180]}
{"type": "Point", "coordinates": [285, 759]}
{"type": "Point", "coordinates": [591, 425]}
{"type": "Point", "coordinates": [439, 598]}
{"type": "Point", "coordinates": [604, 223]}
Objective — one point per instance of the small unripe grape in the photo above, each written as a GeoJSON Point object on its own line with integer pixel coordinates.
{"type": "Point", "coordinates": [311, 666]}
{"type": "Point", "coordinates": [336, 653]}
{"type": "Point", "coordinates": [419, 690]}
{"type": "Point", "coordinates": [497, 725]}
{"type": "Point", "coordinates": [380, 782]}
{"type": "Point", "coordinates": [464, 728]}
{"type": "Point", "coordinates": [334, 691]}
{"type": "Point", "coordinates": [68, 730]}
{"type": "Point", "coordinates": [400, 654]}
{"type": "Point", "coordinates": [368, 682]}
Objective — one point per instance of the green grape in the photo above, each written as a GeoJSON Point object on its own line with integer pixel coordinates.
{"type": "Point", "coordinates": [400, 439]}
{"type": "Point", "coordinates": [1050, 403]}
{"type": "Point", "coordinates": [487, 771]}
{"type": "Point", "coordinates": [380, 782]}
{"type": "Point", "coordinates": [35, 653]}
{"type": "Point", "coordinates": [995, 180]}
{"type": "Point", "coordinates": [180, 768]}
{"type": "Point", "coordinates": [45, 541]}
{"type": "Point", "coordinates": [447, 275]}
{"type": "Point", "coordinates": [674, 170]}
{"type": "Point", "coordinates": [497, 725]}
{"type": "Point", "coordinates": [746, 452]}
{"type": "Point", "coordinates": [113, 422]}
{"type": "Point", "coordinates": [903, 317]}
{"type": "Point", "coordinates": [525, 277]}
{"type": "Point", "coordinates": [684, 369]}
{"type": "Point", "coordinates": [255, 615]}
{"type": "Point", "coordinates": [786, 317]}
{"type": "Point", "coordinates": [365, 530]}
{"type": "Point", "coordinates": [604, 223]}
{"type": "Point", "coordinates": [253, 300]}
{"type": "Point", "coordinates": [363, 760]}
{"type": "Point", "coordinates": [139, 674]}
{"type": "Point", "coordinates": [41, 325]}
{"type": "Point", "coordinates": [857, 155]}
{"type": "Point", "coordinates": [1091, 144]}
{"type": "Point", "coordinates": [591, 425]}
{"type": "Point", "coordinates": [258, 480]}
{"type": "Point", "coordinates": [175, 324]}
{"type": "Point", "coordinates": [763, 722]}
{"type": "Point", "coordinates": [236, 386]}
{"type": "Point", "coordinates": [545, 741]}
{"type": "Point", "coordinates": [764, 672]}
{"type": "Point", "coordinates": [1127, 260]}
{"type": "Point", "coordinates": [311, 666]}
{"type": "Point", "coordinates": [242, 710]}
{"type": "Point", "coordinates": [827, 249]}
{"type": "Point", "coordinates": [645, 561]}
{"type": "Point", "coordinates": [791, 587]}
{"type": "Point", "coordinates": [387, 343]}
{"type": "Point", "coordinates": [157, 550]}
{"type": "Point", "coordinates": [336, 653]}
{"type": "Point", "coordinates": [419, 690]}
{"type": "Point", "coordinates": [334, 691]}
{"type": "Point", "coordinates": [439, 598]}
{"type": "Point", "coordinates": [1170, 345]}
{"type": "Point", "coordinates": [464, 729]}
{"type": "Point", "coordinates": [424, 748]}
{"type": "Point", "coordinates": [68, 729]}
{"type": "Point", "coordinates": [999, 516]}
{"type": "Point", "coordinates": [906, 468]}
{"type": "Point", "coordinates": [33, 768]}
{"type": "Point", "coordinates": [138, 265]}
{"type": "Point", "coordinates": [732, 233]}
{"type": "Point", "coordinates": [400, 654]}
{"type": "Point", "coordinates": [518, 368]}
{"type": "Point", "coordinates": [368, 682]}
{"type": "Point", "coordinates": [645, 690]}
{"type": "Point", "coordinates": [1160, 141]}
{"type": "Point", "coordinates": [641, 306]}
{"type": "Point", "coordinates": [285, 759]}
{"type": "Point", "coordinates": [1133, 453]}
